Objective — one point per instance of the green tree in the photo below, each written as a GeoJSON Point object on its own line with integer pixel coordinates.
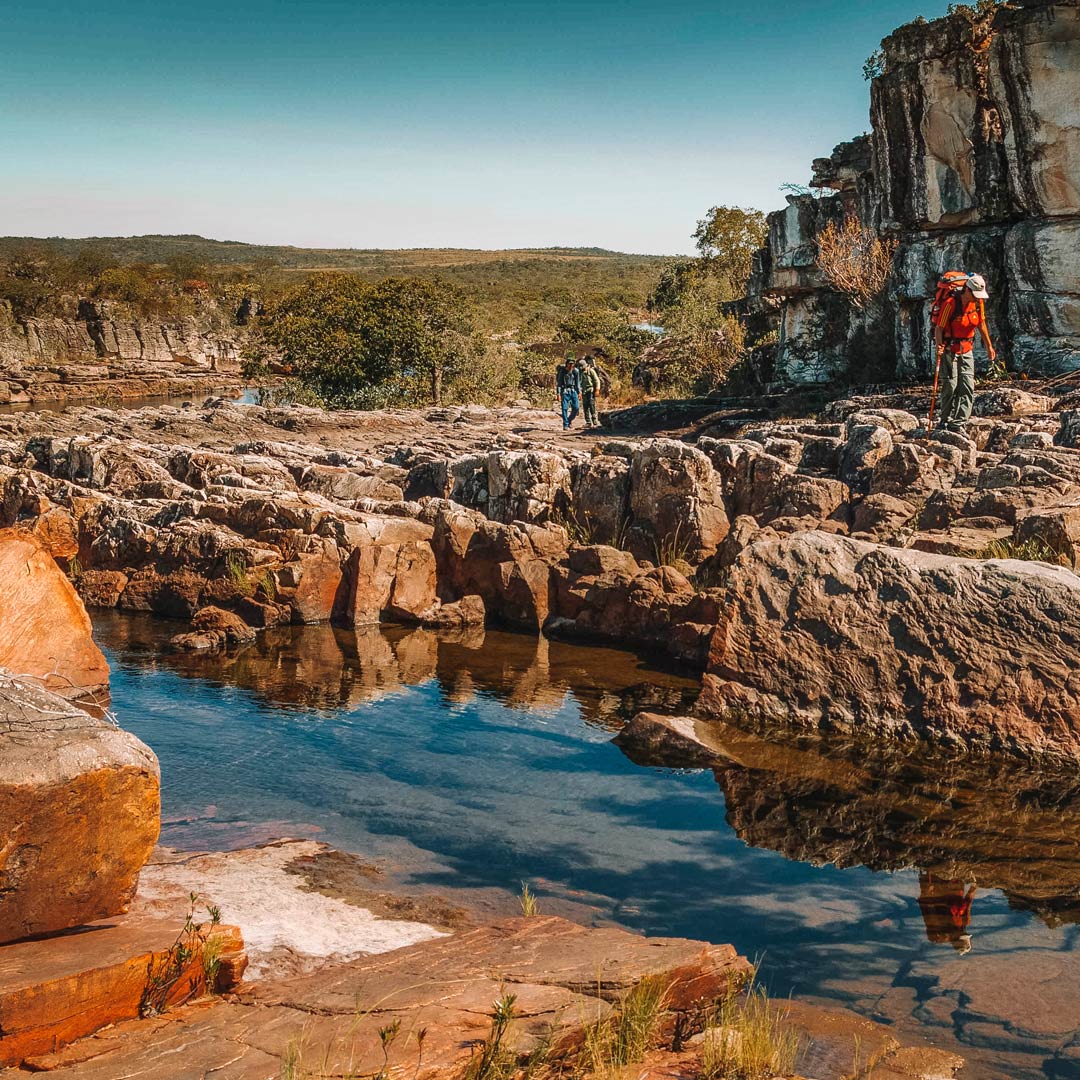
{"type": "Point", "coordinates": [364, 346]}
{"type": "Point", "coordinates": [675, 282]}
{"type": "Point", "coordinates": [727, 238]}
{"type": "Point", "coordinates": [30, 282]}
{"type": "Point", "coordinates": [421, 330]}
{"type": "Point", "coordinates": [318, 331]}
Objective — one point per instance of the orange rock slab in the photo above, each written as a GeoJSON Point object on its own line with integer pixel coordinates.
{"type": "Point", "coordinates": [79, 813]}
{"type": "Point", "coordinates": [56, 990]}
{"type": "Point", "coordinates": [45, 632]}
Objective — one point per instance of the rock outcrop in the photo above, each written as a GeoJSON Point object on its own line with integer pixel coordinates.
{"type": "Point", "coordinates": [102, 349]}
{"type": "Point", "coordinates": [45, 633]}
{"type": "Point", "coordinates": [971, 163]}
{"type": "Point", "coordinates": [827, 632]}
{"type": "Point", "coordinates": [238, 519]}
{"type": "Point", "coordinates": [79, 813]}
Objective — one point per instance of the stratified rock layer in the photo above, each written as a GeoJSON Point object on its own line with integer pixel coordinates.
{"type": "Point", "coordinates": [972, 163]}
{"type": "Point", "coordinates": [45, 632]}
{"type": "Point", "coordinates": [79, 813]}
{"type": "Point", "coordinates": [825, 631]}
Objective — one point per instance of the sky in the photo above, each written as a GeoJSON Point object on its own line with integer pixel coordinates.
{"type": "Point", "coordinates": [422, 123]}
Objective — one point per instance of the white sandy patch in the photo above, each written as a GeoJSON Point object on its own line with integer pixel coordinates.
{"type": "Point", "coordinates": [286, 929]}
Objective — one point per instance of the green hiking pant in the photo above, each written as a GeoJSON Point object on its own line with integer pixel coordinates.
{"type": "Point", "coordinates": [957, 388]}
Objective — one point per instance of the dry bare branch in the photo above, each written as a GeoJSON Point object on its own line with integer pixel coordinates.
{"type": "Point", "coordinates": [855, 260]}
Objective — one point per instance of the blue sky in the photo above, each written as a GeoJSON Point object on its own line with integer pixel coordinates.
{"type": "Point", "coordinates": [411, 123]}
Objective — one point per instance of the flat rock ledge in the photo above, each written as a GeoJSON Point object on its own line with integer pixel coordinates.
{"type": "Point", "coordinates": [563, 978]}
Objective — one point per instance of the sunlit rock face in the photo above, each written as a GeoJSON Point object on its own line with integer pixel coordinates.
{"type": "Point", "coordinates": [45, 633]}
{"type": "Point", "coordinates": [827, 632]}
{"type": "Point", "coordinates": [973, 162]}
{"type": "Point", "coordinates": [79, 812]}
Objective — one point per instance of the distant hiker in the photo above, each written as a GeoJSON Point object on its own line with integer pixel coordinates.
{"type": "Point", "coordinates": [568, 387]}
{"type": "Point", "coordinates": [958, 317]}
{"type": "Point", "coordinates": [590, 387]}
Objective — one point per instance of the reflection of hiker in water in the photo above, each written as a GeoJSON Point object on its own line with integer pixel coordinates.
{"type": "Point", "coordinates": [946, 910]}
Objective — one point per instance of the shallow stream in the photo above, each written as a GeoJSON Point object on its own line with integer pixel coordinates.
{"type": "Point", "coordinates": [467, 766]}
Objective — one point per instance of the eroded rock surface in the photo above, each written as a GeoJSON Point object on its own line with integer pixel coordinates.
{"type": "Point", "coordinates": [830, 632]}
{"type": "Point", "coordinates": [79, 813]}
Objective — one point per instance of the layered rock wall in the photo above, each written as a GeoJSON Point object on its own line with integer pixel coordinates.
{"type": "Point", "coordinates": [973, 162]}
{"type": "Point", "coordinates": [104, 347]}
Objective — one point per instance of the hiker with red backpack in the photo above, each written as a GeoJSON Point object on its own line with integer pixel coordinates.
{"type": "Point", "coordinates": [959, 313]}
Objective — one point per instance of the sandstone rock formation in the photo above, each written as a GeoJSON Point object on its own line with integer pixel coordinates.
{"type": "Point", "coordinates": [79, 813]}
{"type": "Point", "coordinates": [45, 633]}
{"type": "Point", "coordinates": [103, 349]}
{"type": "Point", "coordinates": [971, 163]}
{"type": "Point", "coordinates": [57, 990]}
{"type": "Point", "coordinates": [245, 518]}
{"type": "Point", "coordinates": [829, 632]}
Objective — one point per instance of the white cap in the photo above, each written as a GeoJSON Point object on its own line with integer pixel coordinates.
{"type": "Point", "coordinates": [977, 285]}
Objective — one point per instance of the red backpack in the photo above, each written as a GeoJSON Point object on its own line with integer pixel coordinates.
{"type": "Point", "coordinates": [950, 283]}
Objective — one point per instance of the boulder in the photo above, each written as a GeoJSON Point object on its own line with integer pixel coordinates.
{"type": "Point", "coordinates": [881, 516]}
{"type": "Point", "coordinates": [825, 631]}
{"type": "Point", "coordinates": [45, 632]}
{"type": "Point", "coordinates": [530, 486]}
{"type": "Point", "coordinates": [601, 499]}
{"type": "Point", "coordinates": [79, 813]}
{"type": "Point", "coordinates": [676, 501]}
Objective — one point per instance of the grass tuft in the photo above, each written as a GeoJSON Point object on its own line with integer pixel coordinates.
{"type": "Point", "coordinates": [746, 1039]}
{"type": "Point", "coordinates": [529, 906]}
{"type": "Point", "coordinates": [623, 1039]}
{"type": "Point", "coordinates": [1033, 549]}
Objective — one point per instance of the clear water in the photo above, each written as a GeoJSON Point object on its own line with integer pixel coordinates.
{"type": "Point", "coordinates": [465, 767]}
{"type": "Point", "coordinates": [249, 395]}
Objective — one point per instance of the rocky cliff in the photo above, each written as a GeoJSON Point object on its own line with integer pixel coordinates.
{"type": "Point", "coordinates": [104, 348]}
{"type": "Point", "coordinates": [973, 162]}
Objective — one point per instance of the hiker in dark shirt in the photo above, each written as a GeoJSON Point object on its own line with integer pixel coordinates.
{"type": "Point", "coordinates": [568, 387]}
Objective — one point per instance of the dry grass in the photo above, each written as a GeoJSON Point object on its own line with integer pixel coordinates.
{"type": "Point", "coordinates": [1033, 549]}
{"type": "Point", "coordinates": [746, 1038]}
{"type": "Point", "coordinates": [623, 1039]}
{"type": "Point", "coordinates": [855, 260]}
{"type": "Point", "coordinates": [529, 906]}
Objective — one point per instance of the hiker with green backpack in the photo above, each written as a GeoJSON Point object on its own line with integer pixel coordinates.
{"type": "Point", "coordinates": [590, 387]}
{"type": "Point", "coordinates": [958, 314]}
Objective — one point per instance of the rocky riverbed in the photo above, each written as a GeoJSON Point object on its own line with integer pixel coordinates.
{"type": "Point", "coordinates": [873, 536]}
{"type": "Point", "coordinates": [832, 573]}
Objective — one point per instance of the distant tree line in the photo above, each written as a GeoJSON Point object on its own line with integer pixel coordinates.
{"type": "Point", "coordinates": [447, 326]}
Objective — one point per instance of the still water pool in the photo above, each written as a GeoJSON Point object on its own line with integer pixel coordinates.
{"type": "Point", "coordinates": [467, 766]}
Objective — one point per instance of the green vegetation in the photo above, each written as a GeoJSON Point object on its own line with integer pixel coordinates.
{"type": "Point", "coordinates": [1033, 549]}
{"type": "Point", "coordinates": [705, 343]}
{"type": "Point", "coordinates": [746, 1038]}
{"type": "Point", "coordinates": [190, 965]}
{"type": "Point", "coordinates": [495, 1060]}
{"type": "Point", "coordinates": [377, 328]}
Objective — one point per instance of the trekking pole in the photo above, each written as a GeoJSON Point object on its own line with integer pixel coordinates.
{"type": "Point", "coordinates": [933, 393]}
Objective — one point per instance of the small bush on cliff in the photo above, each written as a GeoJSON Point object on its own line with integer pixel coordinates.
{"type": "Point", "coordinates": [190, 965]}
{"type": "Point", "coordinates": [855, 260]}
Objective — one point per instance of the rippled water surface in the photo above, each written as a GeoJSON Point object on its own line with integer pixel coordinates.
{"type": "Point", "coordinates": [467, 766]}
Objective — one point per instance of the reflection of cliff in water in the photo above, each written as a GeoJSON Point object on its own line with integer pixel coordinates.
{"type": "Point", "coordinates": [828, 800]}
{"type": "Point", "coordinates": [326, 667]}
